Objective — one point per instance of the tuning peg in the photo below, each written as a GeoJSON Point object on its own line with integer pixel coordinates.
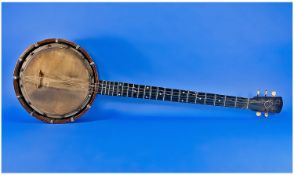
{"type": "Point", "coordinates": [266, 114]}
{"type": "Point", "coordinates": [258, 92]}
{"type": "Point", "coordinates": [274, 93]}
{"type": "Point", "coordinates": [265, 93]}
{"type": "Point", "coordinates": [258, 114]}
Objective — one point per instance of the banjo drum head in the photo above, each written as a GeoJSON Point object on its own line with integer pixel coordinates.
{"type": "Point", "coordinates": [54, 79]}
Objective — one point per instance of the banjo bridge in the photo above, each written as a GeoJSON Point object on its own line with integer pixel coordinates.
{"type": "Point", "coordinates": [41, 79]}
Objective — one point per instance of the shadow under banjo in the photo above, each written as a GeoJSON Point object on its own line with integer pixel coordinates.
{"type": "Point", "coordinates": [56, 81]}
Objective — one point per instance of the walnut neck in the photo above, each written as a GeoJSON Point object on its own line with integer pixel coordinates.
{"type": "Point", "coordinates": [167, 94]}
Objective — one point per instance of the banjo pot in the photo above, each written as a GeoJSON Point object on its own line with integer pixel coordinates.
{"type": "Point", "coordinates": [53, 80]}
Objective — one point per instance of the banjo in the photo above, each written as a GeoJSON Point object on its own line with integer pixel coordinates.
{"type": "Point", "coordinates": [56, 81]}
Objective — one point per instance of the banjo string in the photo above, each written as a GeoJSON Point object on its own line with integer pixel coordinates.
{"type": "Point", "coordinates": [97, 88]}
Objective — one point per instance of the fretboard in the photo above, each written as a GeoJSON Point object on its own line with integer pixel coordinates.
{"type": "Point", "coordinates": [167, 94]}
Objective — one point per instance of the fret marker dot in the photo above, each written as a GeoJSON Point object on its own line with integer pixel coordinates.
{"type": "Point", "coordinates": [199, 98]}
{"type": "Point", "coordinates": [118, 94]}
{"type": "Point", "coordinates": [159, 93]}
{"type": "Point", "coordinates": [218, 100]}
{"type": "Point", "coordinates": [147, 87]}
{"type": "Point", "coordinates": [183, 92]}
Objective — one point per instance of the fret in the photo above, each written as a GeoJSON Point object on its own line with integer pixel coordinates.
{"type": "Point", "coordinates": [141, 91]}
{"type": "Point", "coordinates": [101, 87]}
{"type": "Point", "coordinates": [153, 92]}
{"type": "Point", "coordinates": [160, 93]}
{"type": "Point", "coordinates": [113, 85]}
{"type": "Point", "coordinates": [192, 97]}
{"type": "Point", "coordinates": [150, 91]}
{"type": "Point", "coordinates": [171, 94]}
{"type": "Point", "coordinates": [236, 101]}
{"type": "Point", "coordinates": [164, 90]}
{"type": "Point", "coordinates": [214, 99]}
{"type": "Point", "coordinates": [102, 91]}
{"type": "Point", "coordinates": [247, 106]}
{"type": "Point", "coordinates": [130, 90]}
{"type": "Point", "coordinates": [132, 94]}
{"type": "Point", "coordinates": [119, 89]}
{"type": "Point", "coordinates": [144, 91]}
{"type": "Point", "coordinates": [230, 101]}
{"type": "Point", "coordinates": [196, 95]}
{"type": "Point", "coordinates": [225, 100]}
{"type": "Point", "coordinates": [114, 93]}
{"type": "Point", "coordinates": [242, 102]}
{"type": "Point", "coordinates": [205, 96]}
{"type": "Point", "coordinates": [167, 94]}
{"type": "Point", "coordinates": [105, 88]}
{"type": "Point", "coordinates": [147, 92]}
{"type": "Point", "coordinates": [108, 89]}
{"type": "Point", "coordinates": [200, 98]}
{"type": "Point", "coordinates": [115, 89]}
{"type": "Point", "coordinates": [109, 83]}
{"type": "Point", "coordinates": [157, 92]}
{"type": "Point", "coordinates": [187, 96]}
{"type": "Point", "coordinates": [136, 91]}
{"type": "Point", "coordinates": [175, 95]}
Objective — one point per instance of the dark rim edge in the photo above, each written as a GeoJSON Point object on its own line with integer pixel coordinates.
{"type": "Point", "coordinates": [19, 93]}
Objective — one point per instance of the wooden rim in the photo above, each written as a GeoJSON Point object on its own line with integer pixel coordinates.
{"type": "Point", "coordinates": [17, 88]}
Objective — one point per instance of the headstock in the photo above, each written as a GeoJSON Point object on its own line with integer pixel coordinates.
{"type": "Point", "coordinates": [266, 104]}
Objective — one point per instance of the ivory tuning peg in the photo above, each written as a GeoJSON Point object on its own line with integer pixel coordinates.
{"type": "Point", "coordinates": [258, 114]}
{"type": "Point", "coordinates": [274, 93]}
{"type": "Point", "coordinates": [266, 114]}
{"type": "Point", "coordinates": [258, 92]}
{"type": "Point", "coordinates": [265, 93]}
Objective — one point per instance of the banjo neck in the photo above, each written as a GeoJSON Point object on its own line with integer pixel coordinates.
{"type": "Point", "coordinates": [111, 88]}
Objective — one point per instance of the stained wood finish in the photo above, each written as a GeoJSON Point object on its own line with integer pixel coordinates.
{"type": "Point", "coordinates": [258, 103]}
{"type": "Point", "coordinates": [56, 81]}
{"type": "Point", "coordinates": [52, 80]}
